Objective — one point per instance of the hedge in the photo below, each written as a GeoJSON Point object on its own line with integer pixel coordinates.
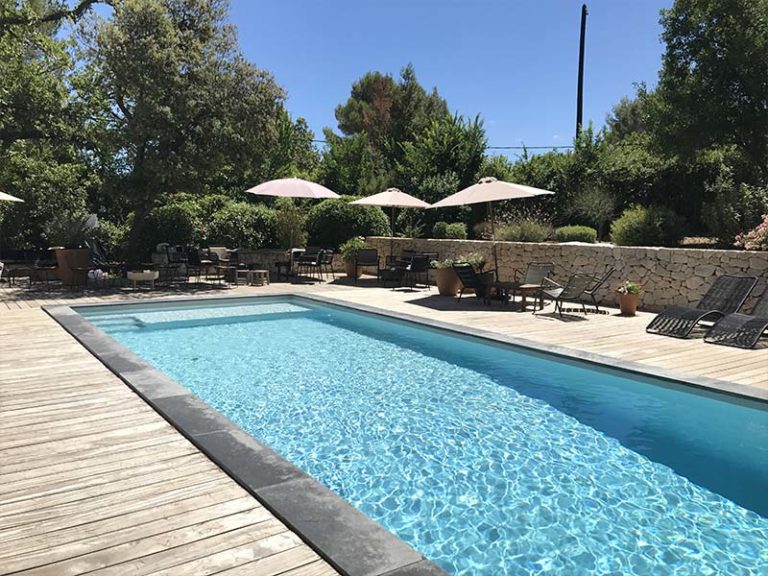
{"type": "Point", "coordinates": [331, 222]}
{"type": "Point", "coordinates": [576, 234]}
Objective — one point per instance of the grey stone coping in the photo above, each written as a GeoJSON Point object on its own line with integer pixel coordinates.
{"type": "Point", "coordinates": [350, 541]}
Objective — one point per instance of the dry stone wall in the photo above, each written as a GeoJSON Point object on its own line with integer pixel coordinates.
{"type": "Point", "coordinates": [669, 275]}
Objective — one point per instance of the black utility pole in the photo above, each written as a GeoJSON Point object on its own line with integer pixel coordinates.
{"type": "Point", "coordinates": [580, 91]}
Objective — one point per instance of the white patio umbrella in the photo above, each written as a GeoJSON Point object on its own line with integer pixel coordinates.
{"type": "Point", "coordinates": [393, 198]}
{"type": "Point", "coordinates": [8, 198]}
{"type": "Point", "coordinates": [490, 190]}
{"type": "Point", "coordinates": [292, 188]}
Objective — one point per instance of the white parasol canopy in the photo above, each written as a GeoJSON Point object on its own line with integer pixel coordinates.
{"type": "Point", "coordinates": [292, 188]}
{"type": "Point", "coordinates": [489, 190]}
{"type": "Point", "coordinates": [394, 198]}
{"type": "Point", "coordinates": [8, 198]}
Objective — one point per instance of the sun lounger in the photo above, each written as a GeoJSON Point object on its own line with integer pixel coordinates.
{"type": "Point", "coordinates": [741, 330]}
{"type": "Point", "coordinates": [472, 280]}
{"type": "Point", "coordinates": [725, 296]}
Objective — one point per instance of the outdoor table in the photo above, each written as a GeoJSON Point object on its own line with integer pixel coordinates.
{"type": "Point", "coordinates": [145, 276]}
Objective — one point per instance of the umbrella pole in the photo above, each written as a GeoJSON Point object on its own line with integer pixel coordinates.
{"type": "Point", "coordinates": [493, 239]}
{"type": "Point", "coordinates": [391, 234]}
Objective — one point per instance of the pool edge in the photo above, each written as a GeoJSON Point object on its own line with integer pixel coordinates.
{"type": "Point", "coordinates": [350, 541]}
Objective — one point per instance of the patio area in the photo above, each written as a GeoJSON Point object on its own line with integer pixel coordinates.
{"type": "Point", "coordinates": [95, 481]}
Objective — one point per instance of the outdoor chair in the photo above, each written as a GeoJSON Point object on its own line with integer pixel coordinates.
{"type": "Point", "coordinates": [741, 330]}
{"type": "Point", "coordinates": [599, 282]}
{"type": "Point", "coordinates": [470, 279]}
{"type": "Point", "coordinates": [530, 281]}
{"type": "Point", "coordinates": [368, 258]}
{"type": "Point", "coordinates": [311, 264]}
{"type": "Point", "coordinates": [572, 291]}
{"type": "Point", "coordinates": [416, 269]}
{"type": "Point", "coordinates": [326, 263]}
{"type": "Point", "coordinates": [725, 296]}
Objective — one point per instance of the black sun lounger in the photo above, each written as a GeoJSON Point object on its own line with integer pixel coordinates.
{"type": "Point", "coordinates": [725, 296]}
{"type": "Point", "coordinates": [741, 330]}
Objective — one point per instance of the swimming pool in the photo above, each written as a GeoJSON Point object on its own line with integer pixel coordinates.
{"type": "Point", "coordinates": [486, 458]}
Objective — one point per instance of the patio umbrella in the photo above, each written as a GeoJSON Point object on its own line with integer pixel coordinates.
{"type": "Point", "coordinates": [393, 198]}
{"type": "Point", "coordinates": [490, 190]}
{"type": "Point", "coordinates": [8, 198]}
{"type": "Point", "coordinates": [292, 188]}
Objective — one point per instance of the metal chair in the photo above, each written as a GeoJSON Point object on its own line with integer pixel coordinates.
{"type": "Point", "coordinates": [599, 281]}
{"type": "Point", "coordinates": [572, 291]}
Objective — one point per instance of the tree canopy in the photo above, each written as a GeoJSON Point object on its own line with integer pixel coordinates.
{"type": "Point", "coordinates": [150, 113]}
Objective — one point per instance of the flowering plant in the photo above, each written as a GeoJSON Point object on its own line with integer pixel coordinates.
{"type": "Point", "coordinates": [756, 239]}
{"type": "Point", "coordinates": [629, 287]}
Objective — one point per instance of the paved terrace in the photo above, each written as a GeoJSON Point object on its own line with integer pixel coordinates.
{"type": "Point", "coordinates": [94, 481]}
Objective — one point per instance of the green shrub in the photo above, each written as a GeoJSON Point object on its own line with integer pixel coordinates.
{"type": "Point", "coordinates": [113, 236]}
{"type": "Point", "coordinates": [351, 247]}
{"type": "Point", "coordinates": [291, 225]}
{"type": "Point", "coordinates": [525, 230]}
{"type": "Point", "coordinates": [332, 221]}
{"type": "Point", "coordinates": [243, 225]}
{"type": "Point", "coordinates": [438, 230]}
{"type": "Point", "coordinates": [641, 226]}
{"type": "Point", "coordinates": [732, 208]}
{"type": "Point", "coordinates": [456, 231]}
{"type": "Point", "coordinates": [172, 223]}
{"type": "Point", "coordinates": [576, 234]}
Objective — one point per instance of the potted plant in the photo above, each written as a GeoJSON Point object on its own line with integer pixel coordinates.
{"type": "Point", "coordinates": [67, 235]}
{"type": "Point", "coordinates": [349, 251]}
{"type": "Point", "coordinates": [629, 295]}
{"type": "Point", "coordinates": [448, 284]}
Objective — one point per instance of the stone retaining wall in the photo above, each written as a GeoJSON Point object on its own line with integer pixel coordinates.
{"type": "Point", "coordinates": [668, 275]}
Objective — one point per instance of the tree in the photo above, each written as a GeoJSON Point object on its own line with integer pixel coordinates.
{"type": "Point", "coordinates": [180, 108]}
{"type": "Point", "coordinates": [713, 85]}
{"type": "Point", "coordinates": [389, 113]}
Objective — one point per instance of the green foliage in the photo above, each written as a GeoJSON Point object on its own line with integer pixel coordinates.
{"type": "Point", "coordinates": [595, 206]}
{"type": "Point", "coordinates": [731, 208]}
{"type": "Point", "coordinates": [350, 167]}
{"type": "Point", "coordinates": [456, 231]}
{"type": "Point", "coordinates": [525, 230]}
{"type": "Point", "coordinates": [351, 247]}
{"type": "Point", "coordinates": [714, 79]}
{"type": "Point", "coordinates": [67, 229]}
{"type": "Point", "coordinates": [576, 234]}
{"type": "Point", "coordinates": [176, 224]}
{"type": "Point", "coordinates": [331, 221]}
{"type": "Point", "coordinates": [291, 225]}
{"type": "Point", "coordinates": [113, 236]}
{"type": "Point", "coordinates": [629, 287]}
{"type": "Point", "coordinates": [476, 259]}
{"type": "Point", "coordinates": [243, 225]}
{"type": "Point", "coordinates": [641, 226]}
{"type": "Point", "coordinates": [438, 230]}
{"type": "Point", "coordinates": [178, 107]}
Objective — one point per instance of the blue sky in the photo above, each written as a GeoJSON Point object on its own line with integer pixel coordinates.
{"type": "Point", "coordinates": [515, 63]}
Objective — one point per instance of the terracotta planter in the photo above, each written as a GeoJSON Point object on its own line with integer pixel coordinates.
{"type": "Point", "coordinates": [352, 270]}
{"type": "Point", "coordinates": [68, 260]}
{"type": "Point", "coordinates": [628, 304]}
{"type": "Point", "coordinates": [448, 284]}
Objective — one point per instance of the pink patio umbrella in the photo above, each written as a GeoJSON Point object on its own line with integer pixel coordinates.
{"type": "Point", "coordinates": [393, 198]}
{"type": "Point", "coordinates": [490, 190]}
{"type": "Point", "coordinates": [292, 188]}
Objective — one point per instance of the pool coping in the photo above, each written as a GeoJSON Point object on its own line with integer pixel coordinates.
{"type": "Point", "coordinates": [352, 543]}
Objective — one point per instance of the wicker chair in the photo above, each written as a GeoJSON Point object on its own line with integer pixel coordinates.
{"type": "Point", "coordinates": [725, 296]}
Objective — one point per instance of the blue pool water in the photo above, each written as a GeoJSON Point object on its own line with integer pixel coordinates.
{"type": "Point", "coordinates": [487, 459]}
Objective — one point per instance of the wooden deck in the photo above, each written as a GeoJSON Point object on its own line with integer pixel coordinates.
{"type": "Point", "coordinates": [94, 481]}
